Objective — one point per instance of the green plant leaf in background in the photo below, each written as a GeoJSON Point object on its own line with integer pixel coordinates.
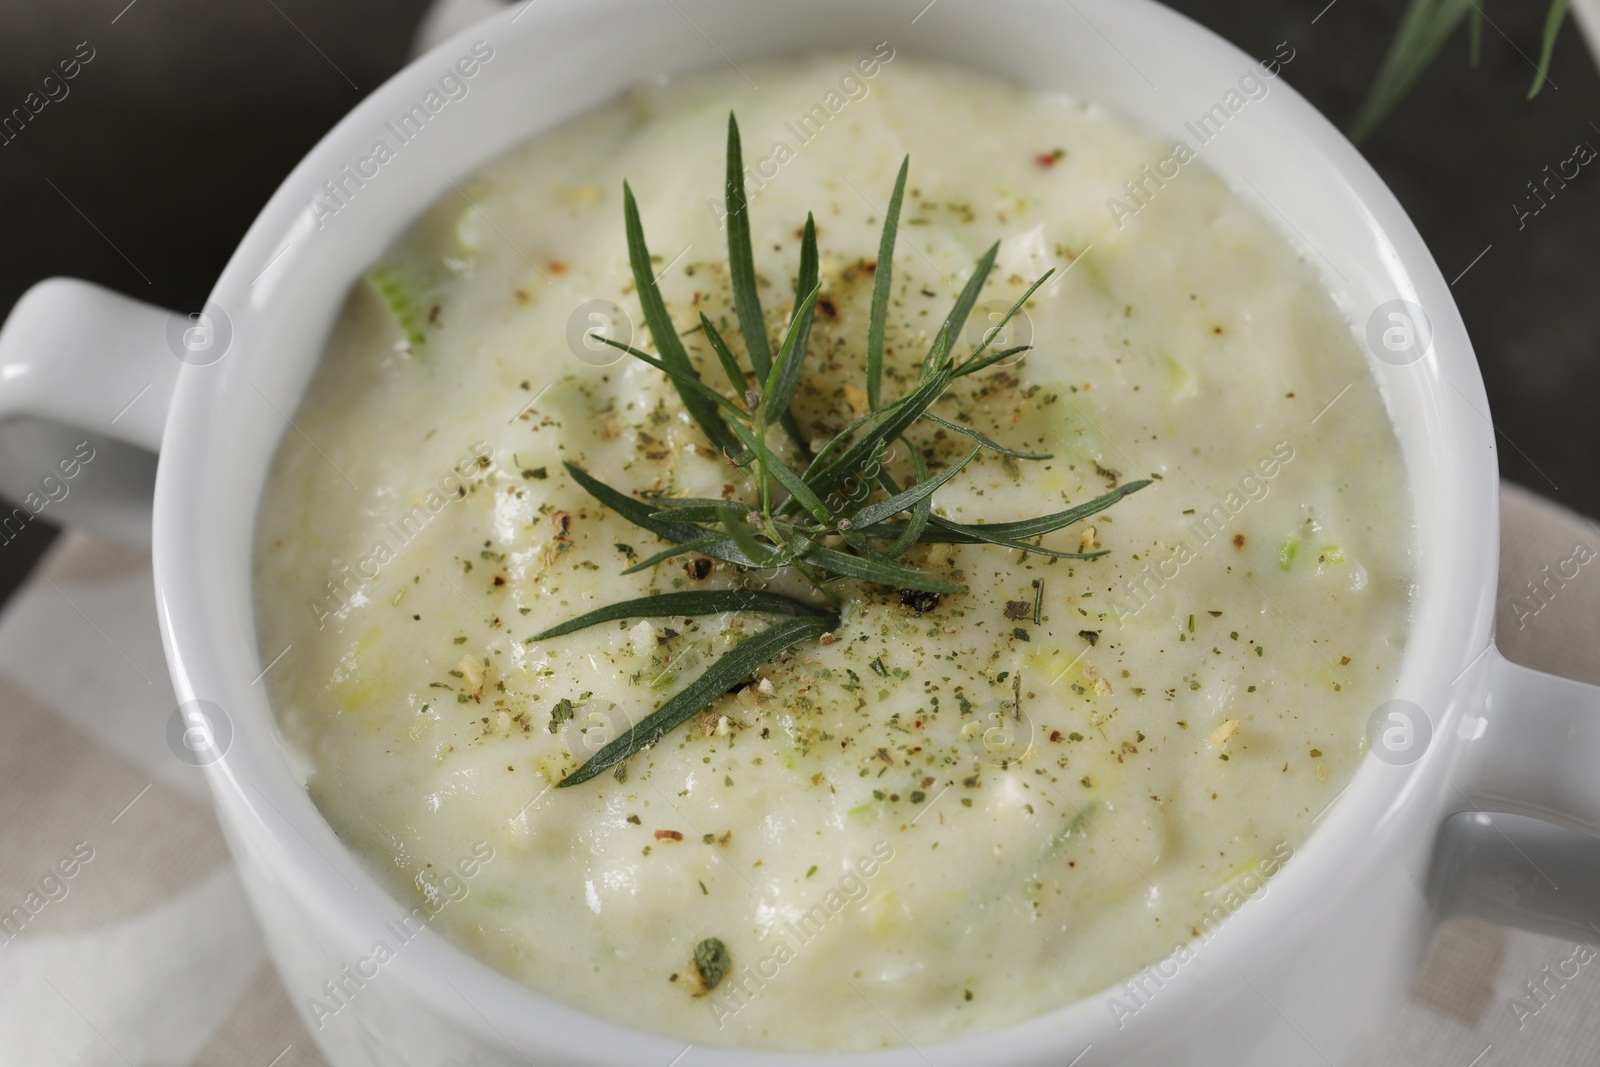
{"type": "Point", "coordinates": [1552, 27]}
{"type": "Point", "coordinates": [1426, 26]}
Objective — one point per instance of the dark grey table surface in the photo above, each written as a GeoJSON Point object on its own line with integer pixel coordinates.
{"type": "Point", "coordinates": [147, 174]}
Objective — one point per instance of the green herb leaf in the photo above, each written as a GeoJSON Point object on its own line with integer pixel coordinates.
{"type": "Point", "coordinates": [1047, 523]}
{"type": "Point", "coordinates": [937, 356]}
{"type": "Point", "coordinates": [641, 514]}
{"type": "Point", "coordinates": [901, 501]}
{"type": "Point", "coordinates": [921, 511]}
{"type": "Point", "coordinates": [804, 314]}
{"type": "Point", "coordinates": [685, 380]}
{"type": "Point", "coordinates": [1011, 534]}
{"type": "Point", "coordinates": [991, 445]}
{"type": "Point", "coordinates": [877, 325]}
{"type": "Point", "coordinates": [1553, 18]}
{"type": "Point", "coordinates": [942, 531]}
{"type": "Point", "coordinates": [973, 366]}
{"type": "Point", "coordinates": [969, 297]}
{"type": "Point", "coordinates": [693, 698]}
{"type": "Point", "coordinates": [701, 602]}
{"type": "Point", "coordinates": [796, 487]}
{"type": "Point", "coordinates": [689, 501]}
{"type": "Point", "coordinates": [996, 330]}
{"type": "Point", "coordinates": [892, 421]}
{"type": "Point", "coordinates": [744, 536]}
{"type": "Point", "coordinates": [730, 365]}
{"type": "Point", "coordinates": [838, 441]}
{"type": "Point", "coordinates": [882, 571]}
{"type": "Point", "coordinates": [699, 513]}
{"type": "Point", "coordinates": [716, 545]}
{"type": "Point", "coordinates": [741, 261]}
{"type": "Point", "coordinates": [635, 511]}
{"type": "Point", "coordinates": [773, 404]}
{"type": "Point", "coordinates": [667, 342]}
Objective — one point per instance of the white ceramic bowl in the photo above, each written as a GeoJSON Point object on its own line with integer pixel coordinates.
{"type": "Point", "coordinates": [1307, 974]}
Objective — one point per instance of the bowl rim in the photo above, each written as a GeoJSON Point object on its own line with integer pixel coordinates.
{"type": "Point", "coordinates": [209, 634]}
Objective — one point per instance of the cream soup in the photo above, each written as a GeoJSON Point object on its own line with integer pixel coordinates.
{"type": "Point", "coordinates": [949, 814]}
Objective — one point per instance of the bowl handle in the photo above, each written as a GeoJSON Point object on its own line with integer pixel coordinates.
{"type": "Point", "coordinates": [86, 376]}
{"type": "Point", "coordinates": [1515, 871]}
{"type": "Point", "coordinates": [1523, 845]}
{"type": "Point", "coordinates": [1536, 749]}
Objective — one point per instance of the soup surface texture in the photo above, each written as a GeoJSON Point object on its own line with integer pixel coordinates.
{"type": "Point", "coordinates": [938, 821]}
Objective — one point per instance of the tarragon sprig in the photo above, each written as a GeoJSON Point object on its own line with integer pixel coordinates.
{"type": "Point", "coordinates": [802, 520]}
